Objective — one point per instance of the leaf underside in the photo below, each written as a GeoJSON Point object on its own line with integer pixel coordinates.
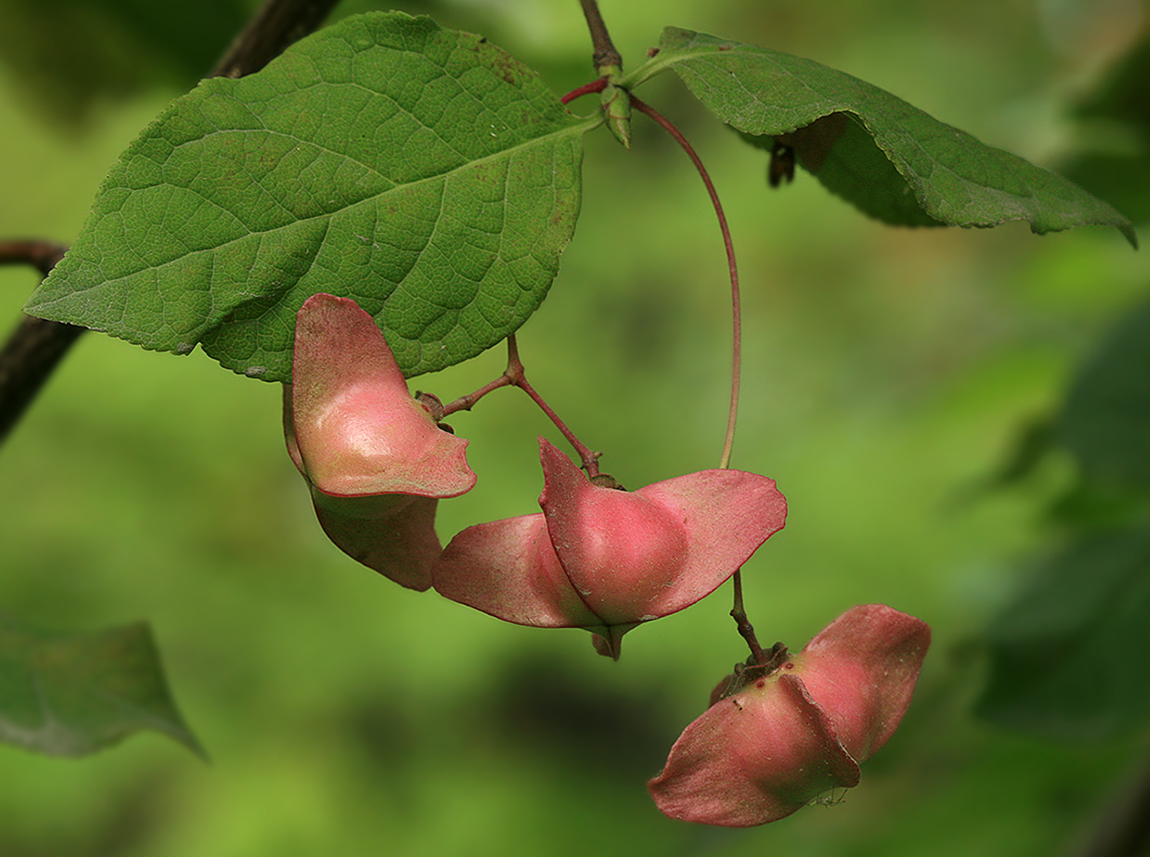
{"type": "Point", "coordinates": [421, 171]}
{"type": "Point", "coordinates": [891, 160]}
{"type": "Point", "coordinates": [74, 694]}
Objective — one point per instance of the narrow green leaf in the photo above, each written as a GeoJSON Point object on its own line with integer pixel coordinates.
{"type": "Point", "coordinates": [1070, 656]}
{"type": "Point", "coordinates": [74, 694]}
{"type": "Point", "coordinates": [890, 159]}
{"type": "Point", "coordinates": [421, 171]}
{"type": "Point", "coordinates": [1106, 419]}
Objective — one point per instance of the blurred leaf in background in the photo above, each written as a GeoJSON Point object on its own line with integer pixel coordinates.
{"type": "Point", "coordinates": [1115, 133]}
{"type": "Point", "coordinates": [73, 694]}
{"type": "Point", "coordinates": [1105, 421]}
{"type": "Point", "coordinates": [1070, 653]}
{"type": "Point", "coordinates": [70, 55]}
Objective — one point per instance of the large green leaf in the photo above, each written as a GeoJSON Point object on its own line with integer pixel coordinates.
{"type": "Point", "coordinates": [73, 694]}
{"type": "Point", "coordinates": [419, 170]}
{"type": "Point", "coordinates": [1070, 656]}
{"type": "Point", "coordinates": [890, 159]}
{"type": "Point", "coordinates": [1106, 419]}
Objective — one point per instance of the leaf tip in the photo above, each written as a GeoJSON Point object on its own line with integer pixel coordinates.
{"type": "Point", "coordinates": [1128, 232]}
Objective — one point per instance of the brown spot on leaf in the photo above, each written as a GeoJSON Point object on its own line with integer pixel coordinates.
{"type": "Point", "coordinates": [506, 67]}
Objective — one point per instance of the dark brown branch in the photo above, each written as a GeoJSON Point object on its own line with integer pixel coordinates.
{"type": "Point", "coordinates": [29, 357]}
{"type": "Point", "coordinates": [36, 346]}
{"type": "Point", "coordinates": [41, 255]}
{"type": "Point", "coordinates": [606, 58]}
{"type": "Point", "coordinates": [278, 24]}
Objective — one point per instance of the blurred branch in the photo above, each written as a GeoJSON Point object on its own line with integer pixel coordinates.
{"type": "Point", "coordinates": [1125, 829]}
{"type": "Point", "coordinates": [278, 24]}
{"type": "Point", "coordinates": [29, 357]}
{"type": "Point", "coordinates": [36, 346]}
{"type": "Point", "coordinates": [42, 255]}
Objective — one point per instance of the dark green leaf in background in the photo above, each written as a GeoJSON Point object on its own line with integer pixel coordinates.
{"type": "Point", "coordinates": [1106, 419]}
{"type": "Point", "coordinates": [70, 56]}
{"type": "Point", "coordinates": [890, 159]}
{"type": "Point", "coordinates": [74, 694]}
{"type": "Point", "coordinates": [421, 171]}
{"type": "Point", "coordinates": [1071, 655]}
{"type": "Point", "coordinates": [1115, 135]}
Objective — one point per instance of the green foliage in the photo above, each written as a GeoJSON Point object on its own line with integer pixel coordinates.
{"type": "Point", "coordinates": [1070, 656]}
{"type": "Point", "coordinates": [73, 694]}
{"type": "Point", "coordinates": [420, 170]}
{"type": "Point", "coordinates": [890, 159]}
{"type": "Point", "coordinates": [1116, 134]}
{"type": "Point", "coordinates": [1106, 419]}
{"type": "Point", "coordinates": [433, 178]}
{"type": "Point", "coordinates": [71, 55]}
{"type": "Point", "coordinates": [892, 391]}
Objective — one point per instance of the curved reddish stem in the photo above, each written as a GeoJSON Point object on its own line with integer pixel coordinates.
{"type": "Point", "coordinates": [738, 612]}
{"type": "Point", "coordinates": [732, 268]}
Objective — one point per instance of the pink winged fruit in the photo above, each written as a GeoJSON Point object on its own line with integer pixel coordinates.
{"type": "Point", "coordinates": [606, 559]}
{"type": "Point", "coordinates": [375, 459]}
{"type": "Point", "coordinates": [777, 738]}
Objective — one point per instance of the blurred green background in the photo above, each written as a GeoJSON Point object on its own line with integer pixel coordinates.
{"type": "Point", "coordinates": [889, 374]}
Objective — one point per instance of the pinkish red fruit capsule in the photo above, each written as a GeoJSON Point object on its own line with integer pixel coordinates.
{"type": "Point", "coordinates": [777, 743]}
{"type": "Point", "coordinates": [606, 559]}
{"type": "Point", "coordinates": [374, 457]}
